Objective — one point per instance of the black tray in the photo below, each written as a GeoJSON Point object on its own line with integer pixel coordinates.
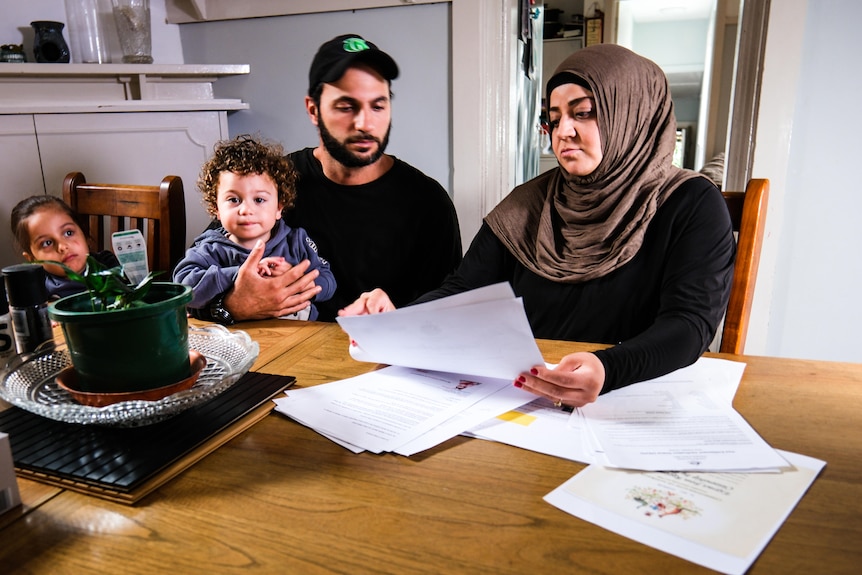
{"type": "Point", "coordinates": [122, 463]}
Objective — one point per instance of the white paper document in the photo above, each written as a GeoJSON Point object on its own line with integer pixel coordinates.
{"type": "Point", "coordinates": [674, 424]}
{"type": "Point", "coordinates": [718, 520]}
{"type": "Point", "coordinates": [506, 399]}
{"type": "Point", "coordinates": [483, 332]}
{"type": "Point", "coordinates": [539, 426]}
{"type": "Point", "coordinates": [399, 409]}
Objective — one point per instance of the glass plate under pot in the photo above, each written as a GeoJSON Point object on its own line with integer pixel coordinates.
{"type": "Point", "coordinates": [31, 384]}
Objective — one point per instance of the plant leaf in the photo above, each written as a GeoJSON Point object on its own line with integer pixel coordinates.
{"type": "Point", "coordinates": [108, 287]}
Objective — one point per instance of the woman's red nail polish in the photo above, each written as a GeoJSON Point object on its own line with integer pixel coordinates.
{"type": "Point", "coordinates": [522, 379]}
{"type": "Point", "coordinates": [534, 371]}
{"type": "Point", "coordinates": [517, 384]}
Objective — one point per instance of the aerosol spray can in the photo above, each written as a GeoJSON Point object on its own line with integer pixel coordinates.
{"type": "Point", "coordinates": [27, 296]}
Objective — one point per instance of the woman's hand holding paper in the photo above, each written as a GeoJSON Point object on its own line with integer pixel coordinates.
{"type": "Point", "coordinates": [575, 381]}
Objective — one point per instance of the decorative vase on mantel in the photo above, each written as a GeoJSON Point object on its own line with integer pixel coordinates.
{"type": "Point", "coordinates": [49, 47]}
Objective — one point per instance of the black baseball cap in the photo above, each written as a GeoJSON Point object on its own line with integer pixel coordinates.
{"type": "Point", "coordinates": [335, 56]}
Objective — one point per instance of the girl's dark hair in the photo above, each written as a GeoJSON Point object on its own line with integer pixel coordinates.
{"type": "Point", "coordinates": [29, 206]}
{"type": "Point", "coordinates": [245, 155]}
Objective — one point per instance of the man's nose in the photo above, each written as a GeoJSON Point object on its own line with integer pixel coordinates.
{"type": "Point", "coordinates": [362, 120]}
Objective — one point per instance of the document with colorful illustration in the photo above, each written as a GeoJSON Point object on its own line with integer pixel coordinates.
{"type": "Point", "coordinates": [719, 520]}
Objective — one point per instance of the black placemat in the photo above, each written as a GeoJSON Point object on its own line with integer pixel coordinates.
{"type": "Point", "coordinates": [122, 459]}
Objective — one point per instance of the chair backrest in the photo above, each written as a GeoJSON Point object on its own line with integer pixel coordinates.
{"type": "Point", "coordinates": [748, 214]}
{"type": "Point", "coordinates": [158, 211]}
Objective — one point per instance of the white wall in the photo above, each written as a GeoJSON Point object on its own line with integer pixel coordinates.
{"type": "Point", "coordinates": [280, 49]}
{"type": "Point", "coordinates": [808, 304]}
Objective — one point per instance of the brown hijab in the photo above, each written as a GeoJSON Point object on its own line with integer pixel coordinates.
{"type": "Point", "coordinates": [577, 228]}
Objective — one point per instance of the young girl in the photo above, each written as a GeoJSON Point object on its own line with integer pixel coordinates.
{"type": "Point", "coordinates": [45, 229]}
{"type": "Point", "coordinates": [246, 184]}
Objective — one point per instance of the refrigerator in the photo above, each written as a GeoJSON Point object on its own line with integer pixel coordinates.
{"type": "Point", "coordinates": [530, 137]}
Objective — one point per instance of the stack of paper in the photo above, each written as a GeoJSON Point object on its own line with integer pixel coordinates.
{"type": "Point", "coordinates": [679, 422]}
{"type": "Point", "coordinates": [454, 362]}
{"type": "Point", "coordinates": [679, 425]}
{"type": "Point", "coordinates": [400, 409]}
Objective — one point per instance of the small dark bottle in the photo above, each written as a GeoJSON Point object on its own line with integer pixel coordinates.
{"type": "Point", "coordinates": [25, 290]}
{"type": "Point", "coordinates": [7, 337]}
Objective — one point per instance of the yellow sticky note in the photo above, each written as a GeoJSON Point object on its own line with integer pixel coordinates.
{"type": "Point", "coordinates": [517, 417]}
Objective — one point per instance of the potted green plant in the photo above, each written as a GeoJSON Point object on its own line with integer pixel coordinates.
{"type": "Point", "coordinates": [124, 337]}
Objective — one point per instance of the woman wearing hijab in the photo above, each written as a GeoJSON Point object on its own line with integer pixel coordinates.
{"type": "Point", "coordinates": [615, 246]}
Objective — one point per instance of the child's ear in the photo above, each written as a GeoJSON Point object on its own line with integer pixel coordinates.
{"type": "Point", "coordinates": [27, 256]}
{"type": "Point", "coordinates": [280, 210]}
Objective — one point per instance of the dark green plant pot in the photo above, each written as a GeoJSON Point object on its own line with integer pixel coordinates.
{"type": "Point", "coordinates": [127, 350]}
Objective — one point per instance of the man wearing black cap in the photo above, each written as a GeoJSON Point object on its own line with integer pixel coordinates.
{"type": "Point", "coordinates": [379, 221]}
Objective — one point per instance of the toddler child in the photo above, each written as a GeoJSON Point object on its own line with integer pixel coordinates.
{"type": "Point", "coordinates": [45, 228]}
{"type": "Point", "coordinates": [246, 185]}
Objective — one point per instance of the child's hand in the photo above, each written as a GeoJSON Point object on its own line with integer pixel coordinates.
{"type": "Point", "coordinates": [272, 266]}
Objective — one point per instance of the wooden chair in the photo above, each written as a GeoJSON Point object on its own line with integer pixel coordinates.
{"type": "Point", "coordinates": [748, 214]}
{"type": "Point", "coordinates": [159, 212]}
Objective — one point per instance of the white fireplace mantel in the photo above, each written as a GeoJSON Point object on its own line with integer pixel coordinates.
{"type": "Point", "coordinates": [130, 123]}
{"type": "Point", "coordinates": [89, 88]}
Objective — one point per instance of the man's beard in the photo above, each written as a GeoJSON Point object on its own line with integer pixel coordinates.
{"type": "Point", "coordinates": [343, 155]}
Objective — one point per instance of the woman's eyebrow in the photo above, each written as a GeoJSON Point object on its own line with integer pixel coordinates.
{"type": "Point", "coordinates": [572, 103]}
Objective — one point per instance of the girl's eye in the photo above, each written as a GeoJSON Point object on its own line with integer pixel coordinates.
{"type": "Point", "coordinates": [259, 200]}
{"type": "Point", "coordinates": [69, 233]}
{"type": "Point", "coordinates": [46, 244]}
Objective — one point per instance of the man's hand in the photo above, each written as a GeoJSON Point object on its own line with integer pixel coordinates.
{"type": "Point", "coordinates": [370, 302]}
{"type": "Point", "coordinates": [260, 297]}
{"type": "Point", "coordinates": [576, 381]}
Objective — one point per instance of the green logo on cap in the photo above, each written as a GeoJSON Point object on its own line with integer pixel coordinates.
{"type": "Point", "coordinates": [355, 45]}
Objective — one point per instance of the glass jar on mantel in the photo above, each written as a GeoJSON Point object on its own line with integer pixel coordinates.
{"type": "Point", "coordinates": [87, 37]}
{"type": "Point", "coordinates": [132, 18]}
{"type": "Point", "coordinates": [13, 53]}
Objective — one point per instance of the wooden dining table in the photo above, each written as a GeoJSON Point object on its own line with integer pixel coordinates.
{"type": "Point", "coordinates": [280, 498]}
